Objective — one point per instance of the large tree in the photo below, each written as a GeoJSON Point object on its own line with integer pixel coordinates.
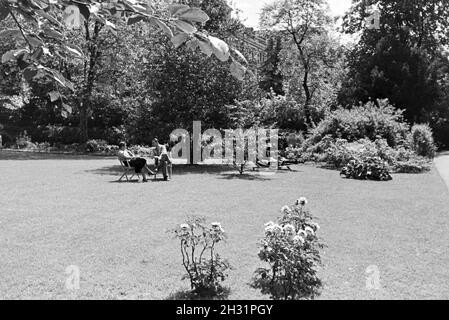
{"type": "Point", "coordinates": [301, 22]}
{"type": "Point", "coordinates": [400, 60]}
{"type": "Point", "coordinates": [45, 46]}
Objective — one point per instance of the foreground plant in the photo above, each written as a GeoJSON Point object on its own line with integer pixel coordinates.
{"type": "Point", "coordinates": [205, 268]}
{"type": "Point", "coordinates": [291, 248]}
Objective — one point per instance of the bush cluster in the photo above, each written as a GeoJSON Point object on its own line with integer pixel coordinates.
{"type": "Point", "coordinates": [369, 131]}
{"type": "Point", "coordinates": [367, 168]}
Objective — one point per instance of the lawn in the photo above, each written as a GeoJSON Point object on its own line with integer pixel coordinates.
{"type": "Point", "coordinates": [57, 211]}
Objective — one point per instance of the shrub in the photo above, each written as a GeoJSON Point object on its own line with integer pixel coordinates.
{"type": "Point", "coordinates": [364, 121]}
{"type": "Point", "coordinates": [96, 145]}
{"type": "Point", "coordinates": [204, 267]}
{"type": "Point", "coordinates": [291, 248]}
{"type": "Point", "coordinates": [23, 141]}
{"type": "Point", "coordinates": [421, 139]}
{"type": "Point", "coordinates": [337, 154]}
{"type": "Point", "coordinates": [367, 168]}
{"type": "Point", "coordinates": [143, 151]}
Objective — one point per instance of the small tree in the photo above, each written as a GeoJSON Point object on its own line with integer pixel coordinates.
{"type": "Point", "coordinates": [291, 249]}
{"type": "Point", "coordinates": [205, 268]}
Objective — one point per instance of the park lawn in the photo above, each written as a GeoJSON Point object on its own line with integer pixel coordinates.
{"type": "Point", "coordinates": [58, 211]}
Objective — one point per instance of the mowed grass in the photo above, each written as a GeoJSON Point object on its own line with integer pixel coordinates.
{"type": "Point", "coordinates": [58, 211]}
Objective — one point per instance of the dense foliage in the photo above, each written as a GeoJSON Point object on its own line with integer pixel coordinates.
{"type": "Point", "coordinates": [366, 169]}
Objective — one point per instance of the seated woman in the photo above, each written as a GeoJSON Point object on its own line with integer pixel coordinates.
{"type": "Point", "coordinates": [129, 159]}
{"type": "Point", "coordinates": [161, 158]}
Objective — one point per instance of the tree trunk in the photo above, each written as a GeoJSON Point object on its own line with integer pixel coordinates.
{"type": "Point", "coordinates": [305, 85]}
{"type": "Point", "coordinates": [89, 80]}
{"type": "Point", "coordinates": [83, 119]}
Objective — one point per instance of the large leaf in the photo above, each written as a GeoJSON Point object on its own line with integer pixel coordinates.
{"type": "Point", "coordinates": [50, 18]}
{"type": "Point", "coordinates": [75, 50]}
{"type": "Point", "coordinates": [12, 55]}
{"type": "Point", "coordinates": [240, 55]}
{"type": "Point", "coordinates": [134, 19]}
{"type": "Point", "coordinates": [162, 25]}
{"type": "Point", "coordinates": [54, 96]}
{"type": "Point", "coordinates": [35, 41]}
{"type": "Point", "coordinates": [180, 39]}
{"type": "Point", "coordinates": [220, 48]}
{"type": "Point", "coordinates": [67, 108]}
{"type": "Point", "coordinates": [193, 43]}
{"type": "Point", "coordinates": [237, 70]}
{"type": "Point", "coordinates": [4, 12]}
{"type": "Point", "coordinates": [206, 47]}
{"type": "Point", "coordinates": [185, 26]}
{"type": "Point", "coordinates": [195, 15]}
{"type": "Point", "coordinates": [10, 33]}
{"type": "Point", "coordinates": [29, 74]}
{"type": "Point", "coordinates": [51, 33]}
{"type": "Point", "coordinates": [178, 9]}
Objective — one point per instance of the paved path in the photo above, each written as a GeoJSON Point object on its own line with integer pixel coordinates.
{"type": "Point", "coordinates": [442, 164]}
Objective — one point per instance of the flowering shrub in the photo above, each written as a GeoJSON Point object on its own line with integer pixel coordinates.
{"type": "Point", "coordinates": [291, 249]}
{"type": "Point", "coordinates": [95, 145]}
{"type": "Point", "coordinates": [205, 268]}
{"type": "Point", "coordinates": [337, 154]}
{"type": "Point", "coordinates": [143, 151]}
{"type": "Point", "coordinates": [23, 141]}
{"type": "Point", "coordinates": [368, 120]}
{"type": "Point", "coordinates": [368, 168]}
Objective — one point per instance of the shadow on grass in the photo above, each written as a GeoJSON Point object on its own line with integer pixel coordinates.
{"type": "Point", "coordinates": [177, 170]}
{"type": "Point", "coordinates": [245, 176]}
{"type": "Point", "coordinates": [221, 171]}
{"type": "Point", "coordinates": [190, 295]}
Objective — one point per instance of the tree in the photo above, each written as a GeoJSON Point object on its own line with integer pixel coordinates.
{"type": "Point", "coordinates": [299, 21]}
{"type": "Point", "coordinates": [272, 79]}
{"type": "Point", "coordinates": [183, 86]}
{"type": "Point", "coordinates": [41, 28]}
{"type": "Point", "coordinates": [400, 61]}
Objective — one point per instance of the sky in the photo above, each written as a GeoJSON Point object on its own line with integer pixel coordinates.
{"type": "Point", "coordinates": [251, 8]}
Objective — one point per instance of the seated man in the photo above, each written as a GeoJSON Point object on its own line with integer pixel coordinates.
{"type": "Point", "coordinates": [161, 158]}
{"type": "Point", "coordinates": [129, 159]}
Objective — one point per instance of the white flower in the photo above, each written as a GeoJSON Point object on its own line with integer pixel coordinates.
{"type": "Point", "coordinates": [302, 233]}
{"type": "Point", "coordinates": [309, 229]}
{"type": "Point", "coordinates": [316, 225]}
{"type": "Point", "coordinates": [301, 201]}
{"type": "Point", "coordinates": [289, 229]}
{"type": "Point", "coordinates": [277, 229]}
{"type": "Point", "coordinates": [216, 226]}
{"type": "Point", "coordinates": [298, 239]}
{"type": "Point", "coordinates": [268, 224]}
{"type": "Point", "coordinates": [269, 229]}
{"type": "Point", "coordinates": [286, 209]}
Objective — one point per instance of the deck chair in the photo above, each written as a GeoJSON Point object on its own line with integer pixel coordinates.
{"type": "Point", "coordinates": [128, 171]}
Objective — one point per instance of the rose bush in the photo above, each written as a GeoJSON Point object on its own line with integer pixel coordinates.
{"type": "Point", "coordinates": [291, 249]}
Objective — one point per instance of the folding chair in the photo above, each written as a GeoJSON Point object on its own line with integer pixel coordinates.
{"type": "Point", "coordinates": [127, 169]}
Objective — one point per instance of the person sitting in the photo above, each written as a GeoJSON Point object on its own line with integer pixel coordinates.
{"type": "Point", "coordinates": [161, 158]}
{"type": "Point", "coordinates": [129, 159]}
